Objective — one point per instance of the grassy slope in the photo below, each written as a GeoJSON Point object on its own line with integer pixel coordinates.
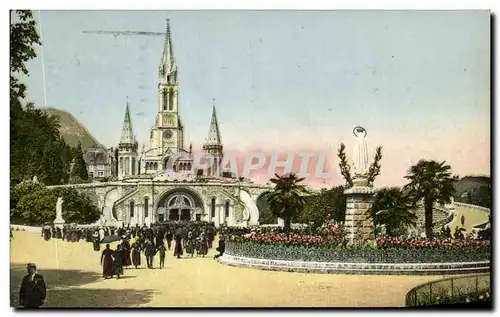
{"type": "Point", "coordinates": [73, 131]}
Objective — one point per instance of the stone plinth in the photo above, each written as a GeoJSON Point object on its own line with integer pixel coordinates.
{"type": "Point", "coordinates": [281, 222]}
{"type": "Point", "coordinates": [59, 223]}
{"type": "Point", "coordinates": [358, 221]}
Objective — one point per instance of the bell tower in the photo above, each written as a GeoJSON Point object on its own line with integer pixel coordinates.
{"type": "Point", "coordinates": [168, 132]}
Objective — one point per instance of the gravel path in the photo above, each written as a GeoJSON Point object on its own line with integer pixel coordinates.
{"type": "Point", "coordinates": [73, 275]}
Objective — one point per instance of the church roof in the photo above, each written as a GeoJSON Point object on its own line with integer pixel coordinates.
{"type": "Point", "coordinates": [97, 157]}
{"type": "Point", "coordinates": [213, 132]}
{"type": "Point", "coordinates": [127, 132]}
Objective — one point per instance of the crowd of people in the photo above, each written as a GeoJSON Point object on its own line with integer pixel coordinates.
{"type": "Point", "coordinates": [190, 238]}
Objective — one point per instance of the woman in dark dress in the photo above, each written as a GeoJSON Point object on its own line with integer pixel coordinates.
{"type": "Point", "coordinates": [178, 245]}
{"type": "Point", "coordinates": [126, 250]}
{"type": "Point", "coordinates": [107, 262]}
{"type": "Point", "coordinates": [118, 261]}
{"type": "Point", "coordinates": [136, 254]}
{"type": "Point", "coordinates": [95, 241]}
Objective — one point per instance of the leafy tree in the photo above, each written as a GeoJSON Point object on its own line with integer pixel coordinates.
{"type": "Point", "coordinates": [328, 203]}
{"type": "Point", "coordinates": [37, 207]}
{"type": "Point", "coordinates": [79, 167]}
{"type": "Point", "coordinates": [36, 147]}
{"type": "Point", "coordinates": [432, 182]}
{"type": "Point", "coordinates": [36, 204]}
{"type": "Point", "coordinates": [287, 199]}
{"type": "Point", "coordinates": [23, 37]}
{"type": "Point", "coordinates": [77, 208]}
{"type": "Point", "coordinates": [266, 215]}
{"type": "Point", "coordinates": [394, 210]}
{"type": "Point", "coordinates": [17, 192]}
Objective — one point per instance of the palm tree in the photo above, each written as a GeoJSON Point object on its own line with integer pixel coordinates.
{"type": "Point", "coordinates": [288, 197]}
{"type": "Point", "coordinates": [394, 210]}
{"type": "Point", "coordinates": [432, 182]}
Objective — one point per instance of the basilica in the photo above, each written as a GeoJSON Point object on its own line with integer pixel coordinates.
{"type": "Point", "coordinates": [146, 190]}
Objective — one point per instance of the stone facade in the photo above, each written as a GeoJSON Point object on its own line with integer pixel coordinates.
{"type": "Point", "coordinates": [151, 200]}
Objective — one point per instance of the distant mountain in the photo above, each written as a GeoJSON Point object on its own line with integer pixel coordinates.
{"type": "Point", "coordinates": [73, 130]}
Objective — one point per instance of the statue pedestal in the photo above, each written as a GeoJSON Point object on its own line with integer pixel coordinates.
{"type": "Point", "coordinates": [281, 222]}
{"type": "Point", "coordinates": [59, 223]}
{"type": "Point", "coordinates": [358, 220]}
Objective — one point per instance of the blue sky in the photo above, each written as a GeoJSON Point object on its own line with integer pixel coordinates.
{"type": "Point", "coordinates": [418, 81]}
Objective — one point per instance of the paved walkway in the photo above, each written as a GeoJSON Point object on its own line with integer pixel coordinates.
{"type": "Point", "coordinates": [73, 275]}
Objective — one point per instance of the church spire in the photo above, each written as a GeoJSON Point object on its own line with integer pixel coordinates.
{"type": "Point", "coordinates": [168, 65]}
{"type": "Point", "coordinates": [127, 132]}
{"type": "Point", "coordinates": [213, 132]}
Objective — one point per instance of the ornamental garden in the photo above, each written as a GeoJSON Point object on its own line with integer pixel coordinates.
{"type": "Point", "coordinates": [374, 234]}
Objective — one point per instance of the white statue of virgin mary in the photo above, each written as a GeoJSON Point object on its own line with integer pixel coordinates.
{"type": "Point", "coordinates": [360, 152]}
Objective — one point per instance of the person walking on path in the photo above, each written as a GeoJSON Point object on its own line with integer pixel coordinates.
{"type": "Point", "coordinates": [136, 254]}
{"type": "Point", "coordinates": [221, 248]}
{"type": "Point", "coordinates": [33, 291]}
{"type": "Point", "coordinates": [203, 243]}
{"type": "Point", "coordinates": [96, 241]}
{"type": "Point", "coordinates": [162, 251]}
{"type": "Point", "coordinates": [169, 237]}
{"type": "Point", "coordinates": [149, 252]}
{"type": "Point", "coordinates": [178, 245]}
{"type": "Point", "coordinates": [190, 244]}
{"type": "Point", "coordinates": [107, 262]}
{"type": "Point", "coordinates": [118, 256]}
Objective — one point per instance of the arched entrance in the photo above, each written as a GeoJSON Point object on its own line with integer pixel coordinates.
{"type": "Point", "coordinates": [179, 204]}
{"type": "Point", "coordinates": [179, 207]}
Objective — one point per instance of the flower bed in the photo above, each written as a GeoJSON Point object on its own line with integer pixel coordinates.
{"type": "Point", "coordinates": [318, 249]}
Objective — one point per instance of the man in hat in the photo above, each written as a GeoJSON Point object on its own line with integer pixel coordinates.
{"type": "Point", "coordinates": [33, 291]}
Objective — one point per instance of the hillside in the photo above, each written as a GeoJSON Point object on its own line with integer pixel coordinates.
{"type": "Point", "coordinates": [73, 131]}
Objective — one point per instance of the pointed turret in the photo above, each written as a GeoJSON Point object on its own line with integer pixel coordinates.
{"type": "Point", "coordinates": [167, 64]}
{"type": "Point", "coordinates": [127, 132]}
{"type": "Point", "coordinates": [213, 144]}
{"type": "Point", "coordinates": [213, 132]}
{"type": "Point", "coordinates": [127, 148]}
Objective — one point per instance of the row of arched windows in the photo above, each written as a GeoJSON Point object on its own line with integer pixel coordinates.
{"type": "Point", "coordinates": [146, 208]}
{"type": "Point", "coordinates": [226, 208]}
{"type": "Point", "coordinates": [182, 167]}
{"type": "Point", "coordinates": [151, 166]}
